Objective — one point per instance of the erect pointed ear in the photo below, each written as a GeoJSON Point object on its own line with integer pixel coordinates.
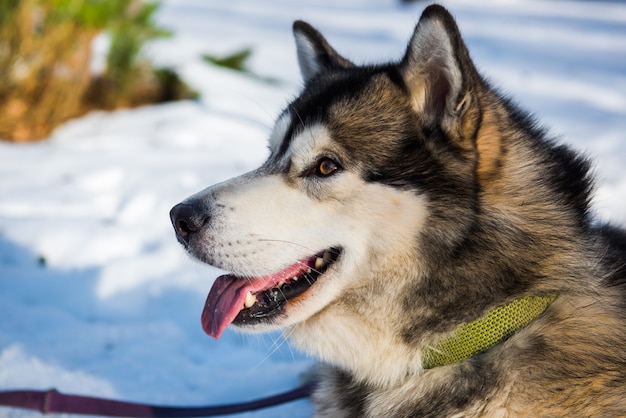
{"type": "Point", "coordinates": [314, 53]}
{"type": "Point", "coordinates": [438, 70]}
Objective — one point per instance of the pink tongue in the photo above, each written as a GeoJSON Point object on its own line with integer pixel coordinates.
{"type": "Point", "coordinates": [228, 294]}
{"type": "Point", "coordinates": [223, 304]}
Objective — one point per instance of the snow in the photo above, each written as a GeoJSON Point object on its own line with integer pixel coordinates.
{"type": "Point", "coordinates": [97, 297]}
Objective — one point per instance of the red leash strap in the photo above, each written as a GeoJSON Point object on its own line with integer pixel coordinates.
{"type": "Point", "coordinates": [54, 401]}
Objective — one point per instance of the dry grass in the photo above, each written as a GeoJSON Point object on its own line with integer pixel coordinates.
{"type": "Point", "coordinates": [45, 57]}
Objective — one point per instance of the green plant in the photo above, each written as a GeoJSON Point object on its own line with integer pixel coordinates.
{"type": "Point", "coordinates": [45, 54]}
{"type": "Point", "coordinates": [237, 61]}
{"type": "Point", "coordinates": [129, 32]}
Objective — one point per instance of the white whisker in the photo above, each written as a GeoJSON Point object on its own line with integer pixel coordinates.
{"type": "Point", "coordinates": [277, 343]}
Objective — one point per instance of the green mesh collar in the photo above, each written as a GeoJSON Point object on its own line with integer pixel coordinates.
{"type": "Point", "coordinates": [480, 335]}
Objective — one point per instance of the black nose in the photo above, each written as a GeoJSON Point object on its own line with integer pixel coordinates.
{"type": "Point", "coordinates": [187, 218]}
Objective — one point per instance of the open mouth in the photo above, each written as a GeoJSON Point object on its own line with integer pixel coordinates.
{"type": "Point", "coordinates": [248, 301]}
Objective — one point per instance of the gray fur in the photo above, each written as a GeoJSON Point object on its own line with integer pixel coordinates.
{"type": "Point", "coordinates": [447, 201]}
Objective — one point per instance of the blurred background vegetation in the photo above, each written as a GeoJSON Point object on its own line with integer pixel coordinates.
{"type": "Point", "coordinates": [46, 62]}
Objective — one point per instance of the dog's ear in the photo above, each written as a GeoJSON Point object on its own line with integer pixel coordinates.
{"type": "Point", "coordinates": [439, 72]}
{"type": "Point", "coordinates": [314, 53]}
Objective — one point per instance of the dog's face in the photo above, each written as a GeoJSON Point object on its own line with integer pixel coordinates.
{"type": "Point", "coordinates": [344, 191]}
{"type": "Point", "coordinates": [302, 228]}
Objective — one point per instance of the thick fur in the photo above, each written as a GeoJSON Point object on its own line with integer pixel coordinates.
{"type": "Point", "coordinates": [446, 202]}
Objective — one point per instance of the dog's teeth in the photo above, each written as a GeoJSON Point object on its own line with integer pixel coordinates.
{"type": "Point", "coordinates": [294, 278]}
{"type": "Point", "coordinates": [309, 271]}
{"type": "Point", "coordinates": [250, 300]}
{"type": "Point", "coordinates": [319, 263]}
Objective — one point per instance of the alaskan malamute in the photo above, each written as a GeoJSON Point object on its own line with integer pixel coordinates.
{"type": "Point", "coordinates": [423, 238]}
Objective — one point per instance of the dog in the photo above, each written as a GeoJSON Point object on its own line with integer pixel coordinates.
{"type": "Point", "coordinates": [424, 239]}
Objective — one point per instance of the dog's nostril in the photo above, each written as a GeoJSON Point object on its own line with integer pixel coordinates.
{"type": "Point", "coordinates": [187, 219]}
{"type": "Point", "coordinates": [182, 227]}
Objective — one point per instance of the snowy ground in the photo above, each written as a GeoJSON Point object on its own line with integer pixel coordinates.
{"type": "Point", "coordinates": [96, 297]}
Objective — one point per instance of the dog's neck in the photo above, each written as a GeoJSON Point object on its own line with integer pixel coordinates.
{"type": "Point", "coordinates": [385, 361]}
{"type": "Point", "coordinates": [473, 338]}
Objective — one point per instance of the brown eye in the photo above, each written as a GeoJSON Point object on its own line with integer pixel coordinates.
{"type": "Point", "coordinates": [326, 167]}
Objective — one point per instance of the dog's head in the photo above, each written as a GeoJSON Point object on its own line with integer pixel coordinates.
{"type": "Point", "coordinates": [355, 163]}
